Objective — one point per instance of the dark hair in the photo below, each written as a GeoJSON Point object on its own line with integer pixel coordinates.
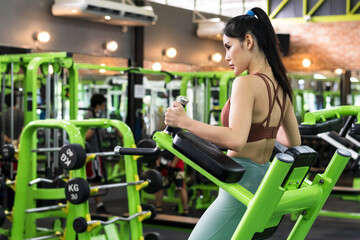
{"type": "Point", "coordinates": [259, 26]}
{"type": "Point", "coordinates": [97, 99]}
{"type": "Point", "coordinates": [8, 100]}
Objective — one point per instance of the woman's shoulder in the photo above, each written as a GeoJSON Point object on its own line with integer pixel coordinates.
{"type": "Point", "coordinates": [249, 81]}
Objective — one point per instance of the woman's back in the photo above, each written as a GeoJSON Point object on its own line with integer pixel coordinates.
{"type": "Point", "coordinates": [267, 108]}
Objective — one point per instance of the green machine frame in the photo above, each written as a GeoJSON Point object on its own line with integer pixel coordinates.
{"type": "Point", "coordinates": [323, 116]}
{"type": "Point", "coordinates": [31, 64]}
{"type": "Point", "coordinates": [26, 196]}
{"type": "Point", "coordinates": [25, 200]}
{"type": "Point", "coordinates": [271, 200]}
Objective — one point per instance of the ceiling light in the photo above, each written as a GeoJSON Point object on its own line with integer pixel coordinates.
{"type": "Point", "coordinates": [111, 46]}
{"type": "Point", "coordinates": [156, 66]}
{"type": "Point", "coordinates": [42, 37]}
{"type": "Point", "coordinates": [107, 17]}
{"type": "Point", "coordinates": [216, 57]}
{"type": "Point", "coordinates": [170, 52]}
{"type": "Point", "coordinates": [338, 71]}
{"type": "Point", "coordinates": [306, 62]}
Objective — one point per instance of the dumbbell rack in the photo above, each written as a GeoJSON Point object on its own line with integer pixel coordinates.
{"type": "Point", "coordinates": [134, 206]}
{"type": "Point", "coordinates": [25, 199]}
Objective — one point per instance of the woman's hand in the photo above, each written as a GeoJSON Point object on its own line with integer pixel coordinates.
{"type": "Point", "coordinates": [175, 116]}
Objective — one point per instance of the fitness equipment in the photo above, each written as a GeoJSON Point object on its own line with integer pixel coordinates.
{"type": "Point", "coordinates": [43, 69]}
{"type": "Point", "coordinates": [332, 122]}
{"type": "Point", "coordinates": [198, 86]}
{"type": "Point", "coordinates": [77, 190]}
{"type": "Point", "coordinates": [23, 221]}
{"type": "Point", "coordinates": [23, 227]}
{"type": "Point", "coordinates": [311, 94]}
{"type": "Point", "coordinates": [134, 206]}
{"type": "Point", "coordinates": [81, 224]}
{"type": "Point", "coordinates": [284, 189]}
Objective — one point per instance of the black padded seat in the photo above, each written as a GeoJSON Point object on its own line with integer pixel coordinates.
{"type": "Point", "coordinates": [209, 157]}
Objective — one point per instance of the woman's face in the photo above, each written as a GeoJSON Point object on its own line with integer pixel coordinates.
{"type": "Point", "coordinates": [236, 54]}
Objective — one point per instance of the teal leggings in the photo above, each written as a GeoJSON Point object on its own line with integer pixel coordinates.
{"type": "Point", "coordinates": [220, 220]}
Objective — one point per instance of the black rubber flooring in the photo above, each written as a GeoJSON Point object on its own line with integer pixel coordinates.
{"type": "Point", "coordinates": [328, 228]}
{"type": "Point", "coordinates": [324, 228]}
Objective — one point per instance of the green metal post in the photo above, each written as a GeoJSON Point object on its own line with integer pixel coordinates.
{"type": "Point", "coordinates": [133, 195]}
{"type": "Point", "coordinates": [327, 180]}
{"type": "Point", "coordinates": [23, 226]}
{"type": "Point", "coordinates": [267, 197]}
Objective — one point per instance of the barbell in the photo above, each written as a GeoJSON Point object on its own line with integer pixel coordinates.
{"type": "Point", "coordinates": [77, 190]}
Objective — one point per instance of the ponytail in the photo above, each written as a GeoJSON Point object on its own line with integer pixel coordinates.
{"type": "Point", "coordinates": [256, 22]}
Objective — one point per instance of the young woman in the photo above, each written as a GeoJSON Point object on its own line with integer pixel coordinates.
{"type": "Point", "coordinates": [258, 113]}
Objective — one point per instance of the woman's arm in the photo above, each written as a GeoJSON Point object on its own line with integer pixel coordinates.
{"type": "Point", "coordinates": [288, 133]}
{"type": "Point", "coordinates": [233, 137]}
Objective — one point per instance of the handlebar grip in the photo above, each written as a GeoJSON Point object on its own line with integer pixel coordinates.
{"type": "Point", "coordinates": [183, 101]}
{"type": "Point", "coordinates": [136, 151]}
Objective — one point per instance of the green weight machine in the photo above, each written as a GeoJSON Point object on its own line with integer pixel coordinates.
{"type": "Point", "coordinates": [320, 120]}
{"type": "Point", "coordinates": [284, 189]}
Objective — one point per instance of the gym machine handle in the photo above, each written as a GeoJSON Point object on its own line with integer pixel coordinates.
{"type": "Point", "coordinates": [136, 151]}
{"type": "Point", "coordinates": [183, 101]}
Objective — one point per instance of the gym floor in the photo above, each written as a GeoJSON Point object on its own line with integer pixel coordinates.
{"type": "Point", "coordinates": [328, 228]}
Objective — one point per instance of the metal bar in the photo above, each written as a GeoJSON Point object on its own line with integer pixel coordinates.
{"type": "Point", "coordinates": [63, 102]}
{"type": "Point", "coordinates": [107, 186]}
{"type": "Point", "coordinates": [56, 149]}
{"type": "Point", "coordinates": [102, 154]}
{"type": "Point", "coordinates": [355, 8]}
{"type": "Point", "coordinates": [119, 218]}
{"type": "Point", "coordinates": [44, 237]}
{"type": "Point", "coordinates": [3, 106]}
{"type": "Point", "coordinates": [43, 209]}
{"type": "Point", "coordinates": [315, 7]}
{"type": "Point", "coordinates": [12, 102]}
{"type": "Point", "coordinates": [348, 215]}
{"type": "Point", "coordinates": [334, 18]}
{"type": "Point", "coordinates": [278, 9]}
{"type": "Point", "coordinates": [353, 140]}
{"type": "Point", "coordinates": [305, 5]}
{"type": "Point", "coordinates": [37, 180]}
{"type": "Point", "coordinates": [48, 114]}
{"type": "Point", "coordinates": [46, 149]}
{"type": "Point", "coordinates": [336, 144]}
{"type": "Point", "coordinates": [55, 130]}
{"type": "Point", "coordinates": [348, 6]}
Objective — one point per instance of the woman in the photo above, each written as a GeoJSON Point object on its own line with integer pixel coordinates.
{"type": "Point", "coordinates": [258, 113]}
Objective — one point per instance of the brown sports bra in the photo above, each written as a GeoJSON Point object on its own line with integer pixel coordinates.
{"type": "Point", "coordinates": [257, 130]}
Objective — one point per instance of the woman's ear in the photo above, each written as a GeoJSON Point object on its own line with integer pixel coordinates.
{"type": "Point", "coordinates": [249, 41]}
